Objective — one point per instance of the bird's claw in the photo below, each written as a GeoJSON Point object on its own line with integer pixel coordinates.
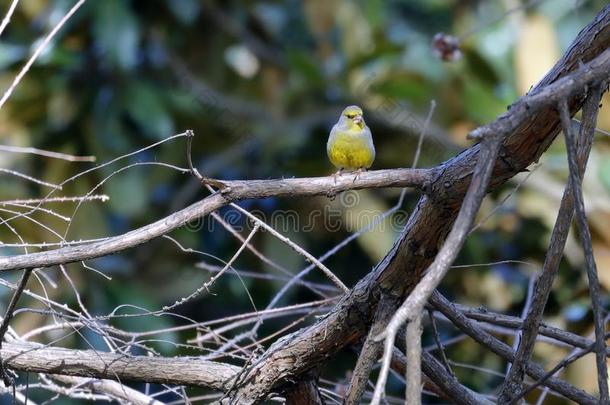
{"type": "Point", "coordinates": [358, 173]}
{"type": "Point", "coordinates": [338, 173]}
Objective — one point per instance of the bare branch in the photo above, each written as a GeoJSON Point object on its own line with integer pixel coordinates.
{"type": "Point", "coordinates": [440, 381]}
{"type": "Point", "coordinates": [544, 95]}
{"type": "Point", "coordinates": [416, 301]}
{"type": "Point", "coordinates": [239, 190]}
{"type": "Point", "coordinates": [206, 286]}
{"type": "Point", "coordinates": [304, 393]}
{"type": "Point", "coordinates": [30, 178]}
{"type": "Point", "coordinates": [439, 344]}
{"type": "Point", "coordinates": [562, 364]}
{"type": "Point", "coordinates": [190, 371]}
{"type": "Point", "coordinates": [7, 16]}
{"type": "Point", "coordinates": [10, 310]}
{"type": "Point", "coordinates": [559, 235]}
{"type": "Point", "coordinates": [46, 153]}
{"type": "Point", "coordinates": [38, 51]}
{"type": "Point", "coordinates": [558, 335]}
{"type": "Point", "coordinates": [585, 235]}
{"type": "Point", "coordinates": [369, 353]}
{"type": "Point", "coordinates": [94, 197]}
{"type": "Point", "coordinates": [448, 383]}
{"type": "Point", "coordinates": [503, 350]}
{"type": "Point", "coordinates": [414, 350]}
{"type": "Point", "coordinates": [113, 388]}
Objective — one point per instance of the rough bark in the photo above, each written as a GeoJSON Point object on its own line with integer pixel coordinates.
{"type": "Point", "coordinates": [190, 371]}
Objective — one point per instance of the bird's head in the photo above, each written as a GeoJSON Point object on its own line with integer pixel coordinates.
{"type": "Point", "coordinates": [352, 116]}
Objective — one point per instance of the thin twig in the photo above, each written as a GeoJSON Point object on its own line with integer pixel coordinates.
{"type": "Point", "coordinates": [30, 178]}
{"type": "Point", "coordinates": [562, 364]}
{"type": "Point", "coordinates": [38, 51]}
{"type": "Point", "coordinates": [422, 134]}
{"type": "Point", "coordinates": [7, 16]}
{"type": "Point", "coordinates": [46, 153]}
{"type": "Point", "coordinates": [311, 258]}
{"type": "Point", "coordinates": [526, 308]}
{"type": "Point", "coordinates": [206, 286]}
{"type": "Point", "coordinates": [439, 344]}
{"type": "Point", "coordinates": [95, 197]}
{"type": "Point", "coordinates": [8, 315]}
{"type": "Point", "coordinates": [554, 334]}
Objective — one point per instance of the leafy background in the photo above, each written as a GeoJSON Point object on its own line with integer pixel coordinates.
{"type": "Point", "coordinates": [261, 83]}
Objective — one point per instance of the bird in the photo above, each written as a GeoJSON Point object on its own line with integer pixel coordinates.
{"type": "Point", "coordinates": [350, 143]}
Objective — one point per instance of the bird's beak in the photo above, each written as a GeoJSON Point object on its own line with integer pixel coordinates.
{"type": "Point", "coordinates": [358, 120]}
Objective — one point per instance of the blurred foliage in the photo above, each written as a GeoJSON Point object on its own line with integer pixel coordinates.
{"type": "Point", "coordinates": [261, 83]}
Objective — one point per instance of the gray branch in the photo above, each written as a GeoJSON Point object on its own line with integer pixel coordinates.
{"type": "Point", "coordinates": [191, 371]}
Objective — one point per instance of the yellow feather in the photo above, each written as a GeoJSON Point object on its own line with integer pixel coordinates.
{"type": "Point", "coordinates": [350, 151]}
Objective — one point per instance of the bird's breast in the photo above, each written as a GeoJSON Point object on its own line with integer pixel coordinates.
{"type": "Point", "coordinates": [350, 151]}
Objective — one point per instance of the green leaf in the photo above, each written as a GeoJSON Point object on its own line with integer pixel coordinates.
{"type": "Point", "coordinates": [145, 106]}
{"type": "Point", "coordinates": [480, 102]}
{"type": "Point", "coordinates": [409, 87]}
{"type": "Point", "coordinates": [128, 193]}
{"type": "Point", "coordinates": [302, 63]}
{"type": "Point", "coordinates": [117, 33]}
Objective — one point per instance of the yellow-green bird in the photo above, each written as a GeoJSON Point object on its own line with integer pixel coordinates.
{"type": "Point", "coordinates": [350, 144]}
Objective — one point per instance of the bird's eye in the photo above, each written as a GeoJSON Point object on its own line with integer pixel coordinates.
{"type": "Point", "coordinates": [350, 116]}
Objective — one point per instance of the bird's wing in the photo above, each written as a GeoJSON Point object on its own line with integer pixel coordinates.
{"type": "Point", "coordinates": [369, 140]}
{"type": "Point", "coordinates": [331, 138]}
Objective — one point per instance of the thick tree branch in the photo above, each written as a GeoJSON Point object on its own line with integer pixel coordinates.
{"type": "Point", "coordinates": [191, 371]}
{"type": "Point", "coordinates": [304, 393]}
